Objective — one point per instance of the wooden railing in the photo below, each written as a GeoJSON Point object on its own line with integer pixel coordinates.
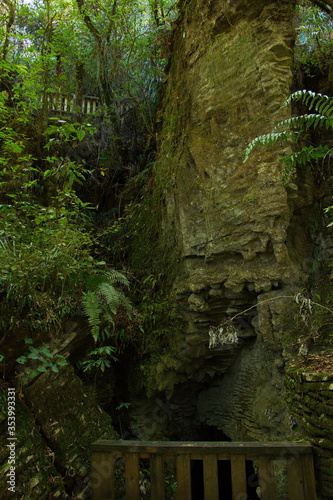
{"type": "Point", "coordinates": [68, 104]}
{"type": "Point", "coordinates": [295, 478]}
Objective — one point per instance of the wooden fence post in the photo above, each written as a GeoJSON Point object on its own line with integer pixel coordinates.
{"type": "Point", "coordinates": [102, 476]}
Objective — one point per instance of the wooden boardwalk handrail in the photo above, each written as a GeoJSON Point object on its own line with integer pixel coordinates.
{"type": "Point", "coordinates": [68, 103]}
{"type": "Point", "coordinates": [296, 456]}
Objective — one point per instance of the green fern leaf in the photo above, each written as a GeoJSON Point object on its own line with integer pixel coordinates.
{"type": "Point", "coordinates": [329, 123]}
{"type": "Point", "coordinates": [92, 309]}
{"type": "Point", "coordinates": [301, 121]}
{"type": "Point", "coordinates": [313, 100]}
{"type": "Point", "coordinates": [93, 281]}
{"type": "Point", "coordinates": [114, 276]}
{"type": "Point", "coordinates": [305, 156]}
{"type": "Point", "coordinates": [327, 110]}
{"type": "Point", "coordinates": [265, 140]}
{"type": "Point", "coordinates": [293, 127]}
{"type": "Point", "coordinates": [109, 294]}
{"type": "Point", "coordinates": [323, 105]}
{"type": "Point", "coordinates": [102, 301]}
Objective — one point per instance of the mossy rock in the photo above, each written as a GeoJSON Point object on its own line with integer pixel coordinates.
{"type": "Point", "coordinates": [70, 422]}
{"type": "Point", "coordinates": [36, 475]}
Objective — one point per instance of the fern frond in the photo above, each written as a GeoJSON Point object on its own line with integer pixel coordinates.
{"type": "Point", "coordinates": [114, 276]}
{"type": "Point", "coordinates": [293, 127]}
{"type": "Point", "coordinates": [93, 281]}
{"type": "Point", "coordinates": [305, 122]}
{"type": "Point", "coordinates": [92, 309]}
{"type": "Point", "coordinates": [110, 296]}
{"type": "Point", "coordinates": [306, 155]}
{"type": "Point", "coordinates": [267, 140]}
{"type": "Point", "coordinates": [321, 103]}
{"type": "Point", "coordinates": [114, 298]}
{"type": "Point", "coordinates": [102, 301]}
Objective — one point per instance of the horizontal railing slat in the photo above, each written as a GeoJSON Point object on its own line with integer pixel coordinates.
{"type": "Point", "coordinates": [227, 448]}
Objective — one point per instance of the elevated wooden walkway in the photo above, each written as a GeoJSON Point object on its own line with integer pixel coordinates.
{"type": "Point", "coordinates": [281, 467]}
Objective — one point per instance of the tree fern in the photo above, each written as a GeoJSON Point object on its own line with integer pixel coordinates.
{"type": "Point", "coordinates": [295, 127]}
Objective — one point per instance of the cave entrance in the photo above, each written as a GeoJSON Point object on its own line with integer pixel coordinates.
{"type": "Point", "coordinates": [224, 480]}
{"type": "Point", "coordinates": [211, 433]}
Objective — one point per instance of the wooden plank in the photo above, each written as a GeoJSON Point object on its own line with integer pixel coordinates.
{"type": "Point", "coordinates": [308, 477]}
{"type": "Point", "coordinates": [238, 477]}
{"type": "Point", "coordinates": [211, 480]}
{"type": "Point", "coordinates": [295, 479]}
{"type": "Point", "coordinates": [157, 477]}
{"type": "Point", "coordinates": [131, 476]}
{"type": "Point", "coordinates": [278, 449]}
{"type": "Point", "coordinates": [183, 463]}
{"type": "Point", "coordinates": [102, 476]}
{"type": "Point", "coordinates": [266, 479]}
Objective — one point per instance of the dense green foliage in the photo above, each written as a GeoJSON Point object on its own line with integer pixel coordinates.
{"type": "Point", "coordinates": [313, 47]}
{"type": "Point", "coordinates": [45, 241]}
{"type": "Point", "coordinates": [53, 260]}
{"type": "Point", "coordinates": [40, 359]}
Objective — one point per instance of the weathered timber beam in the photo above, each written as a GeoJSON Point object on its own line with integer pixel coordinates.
{"type": "Point", "coordinates": [279, 448]}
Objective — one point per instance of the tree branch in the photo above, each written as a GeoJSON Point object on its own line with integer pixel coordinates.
{"type": "Point", "coordinates": [112, 22]}
{"type": "Point", "coordinates": [11, 6]}
{"type": "Point", "coordinates": [88, 22]}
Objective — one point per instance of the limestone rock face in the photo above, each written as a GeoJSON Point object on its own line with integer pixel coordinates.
{"type": "Point", "coordinates": [312, 402]}
{"type": "Point", "coordinates": [238, 231]}
{"type": "Point", "coordinates": [248, 403]}
{"type": "Point", "coordinates": [231, 71]}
